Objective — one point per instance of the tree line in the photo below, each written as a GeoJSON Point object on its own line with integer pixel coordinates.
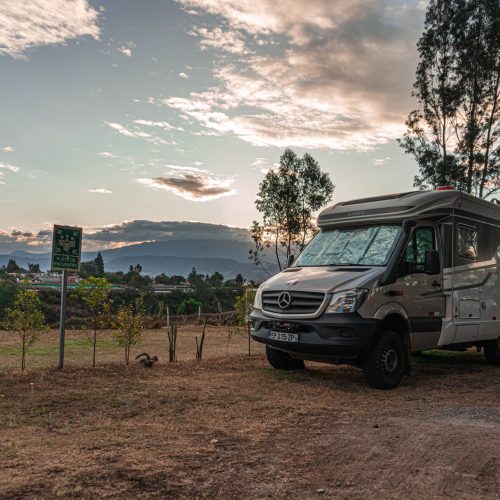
{"type": "Point", "coordinates": [26, 315]}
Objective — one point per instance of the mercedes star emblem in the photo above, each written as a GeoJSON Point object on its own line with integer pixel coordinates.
{"type": "Point", "coordinates": [284, 300]}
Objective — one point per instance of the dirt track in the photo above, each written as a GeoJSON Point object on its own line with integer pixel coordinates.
{"type": "Point", "coordinates": [233, 427]}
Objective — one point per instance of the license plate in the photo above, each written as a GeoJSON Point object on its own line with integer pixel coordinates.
{"type": "Point", "coordinates": [283, 336]}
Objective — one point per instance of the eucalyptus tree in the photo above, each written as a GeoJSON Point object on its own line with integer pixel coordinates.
{"type": "Point", "coordinates": [454, 134]}
{"type": "Point", "coordinates": [287, 199]}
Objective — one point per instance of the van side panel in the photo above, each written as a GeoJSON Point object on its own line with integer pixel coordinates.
{"type": "Point", "coordinates": [471, 284]}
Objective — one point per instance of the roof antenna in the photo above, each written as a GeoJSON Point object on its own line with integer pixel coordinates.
{"type": "Point", "coordinates": [495, 200]}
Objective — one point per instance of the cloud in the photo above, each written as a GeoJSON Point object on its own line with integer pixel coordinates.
{"type": "Point", "coordinates": [126, 51]}
{"type": "Point", "coordinates": [261, 165]}
{"type": "Point", "coordinates": [287, 17]}
{"type": "Point", "coordinates": [378, 162]}
{"type": "Point", "coordinates": [8, 166]}
{"type": "Point", "coordinates": [135, 132]}
{"type": "Point", "coordinates": [228, 41]}
{"type": "Point", "coordinates": [25, 240]}
{"type": "Point", "coordinates": [106, 154]}
{"type": "Point", "coordinates": [100, 191]}
{"type": "Point", "coordinates": [162, 125]}
{"type": "Point", "coordinates": [183, 75]}
{"type": "Point", "coordinates": [123, 234]}
{"type": "Point", "coordinates": [325, 76]}
{"type": "Point", "coordinates": [21, 234]}
{"type": "Point", "coordinates": [191, 183]}
{"type": "Point", "coordinates": [144, 230]}
{"type": "Point", "coordinates": [25, 25]}
{"type": "Point", "coordinates": [7, 149]}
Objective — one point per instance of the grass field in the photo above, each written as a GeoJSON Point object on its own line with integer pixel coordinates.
{"type": "Point", "coordinates": [231, 426]}
{"type": "Point", "coordinates": [219, 341]}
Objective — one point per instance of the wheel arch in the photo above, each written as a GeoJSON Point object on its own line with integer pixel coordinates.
{"type": "Point", "coordinates": [398, 322]}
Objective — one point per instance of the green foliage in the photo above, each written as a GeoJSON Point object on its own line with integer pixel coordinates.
{"type": "Point", "coordinates": [8, 291]}
{"type": "Point", "coordinates": [34, 268]}
{"type": "Point", "coordinates": [454, 135]}
{"type": "Point", "coordinates": [244, 305]}
{"type": "Point", "coordinates": [114, 278]}
{"type": "Point", "coordinates": [88, 269]}
{"type": "Point", "coordinates": [99, 262]}
{"type": "Point", "coordinates": [12, 266]}
{"type": "Point", "coordinates": [189, 306]}
{"type": "Point", "coordinates": [130, 324]}
{"type": "Point", "coordinates": [94, 292]}
{"type": "Point", "coordinates": [134, 279]}
{"type": "Point", "coordinates": [163, 279]}
{"type": "Point", "coordinates": [25, 318]}
{"type": "Point", "coordinates": [287, 198]}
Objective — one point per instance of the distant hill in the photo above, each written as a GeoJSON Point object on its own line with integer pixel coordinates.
{"type": "Point", "coordinates": [227, 249]}
{"type": "Point", "coordinates": [154, 265]}
{"type": "Point", "coordinates": [207, 247]}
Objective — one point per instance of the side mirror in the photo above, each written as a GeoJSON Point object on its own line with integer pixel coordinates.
{"type": "Point", "coordinates": [291, 258]}
{"type": "Point", "coordinates": [432, 264]}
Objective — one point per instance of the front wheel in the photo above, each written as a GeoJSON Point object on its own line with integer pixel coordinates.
{"type": "Point", "coordinates": [384, 365]}
{"type": "Point", "coordinates": [492, 352]}
{"type": "Point", "coordinates": [282, 360]}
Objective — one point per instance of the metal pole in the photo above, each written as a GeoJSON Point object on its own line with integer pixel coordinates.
{"type": "Point", "coordinates": [168, 317]}
{"type": "Point", "coordinates": [62, 320]}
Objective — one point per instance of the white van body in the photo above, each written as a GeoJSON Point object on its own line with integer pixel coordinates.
{"type": "Point", "coordinates": [421, 267]}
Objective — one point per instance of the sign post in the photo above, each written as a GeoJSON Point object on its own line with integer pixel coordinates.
{"type": "Point", "coordinates": [62, 318]}
{"type": "Point", "coordinates": [66, 252]}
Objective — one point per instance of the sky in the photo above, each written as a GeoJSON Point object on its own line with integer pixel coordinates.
{"type": "Point", "coordinates": [115, 111]}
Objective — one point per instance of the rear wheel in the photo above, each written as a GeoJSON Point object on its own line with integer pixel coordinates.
{"type": "Point", "coordinates": [282, 360]}
{"type": "Point", "coordinates": [492, 352]}
{"type": "Point", "coordinates": [384, 365]}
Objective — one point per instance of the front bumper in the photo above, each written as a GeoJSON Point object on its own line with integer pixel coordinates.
{"type": "Point", "coordinates": [329, 336]}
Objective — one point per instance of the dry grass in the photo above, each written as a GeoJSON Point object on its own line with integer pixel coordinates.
{"type": "Point", "coordinates": [218, 341]}
{"type": "Point", "coordinates": [232, 427]}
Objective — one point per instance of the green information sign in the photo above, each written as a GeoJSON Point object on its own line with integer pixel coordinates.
{"type": "Point", "coordinates": [66, 248]}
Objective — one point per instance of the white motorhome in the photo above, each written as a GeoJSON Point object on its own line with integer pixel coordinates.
{"type": "Point", "coordinates": [386, 277]}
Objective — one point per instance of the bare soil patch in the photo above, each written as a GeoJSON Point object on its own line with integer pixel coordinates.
{"type": "Point", "coordinates": [233, 427]}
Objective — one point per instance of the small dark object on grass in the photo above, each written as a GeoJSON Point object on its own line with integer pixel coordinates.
{"type": "Point", "coordinates": [147, 360]}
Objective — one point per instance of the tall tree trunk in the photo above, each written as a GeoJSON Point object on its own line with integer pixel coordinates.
{"type": "Point", "coordinates": [470, 166]}
{"type": "Point", "coordinates": [276, 243]}
{"type": "Point", "coordinates": [488, 137]}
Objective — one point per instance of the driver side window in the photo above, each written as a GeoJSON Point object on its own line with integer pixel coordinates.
{"type": "Point", "coordinates": [421, 240]}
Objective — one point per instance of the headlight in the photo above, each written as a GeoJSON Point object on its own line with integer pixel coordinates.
{"type": "Point", "coordinates": [258, 299]}
{"type": "Point", "coordinates": [346, 301]}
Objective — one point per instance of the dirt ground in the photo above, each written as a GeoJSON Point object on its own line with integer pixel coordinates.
{"type": "Point", "coordinates": [232, 427]}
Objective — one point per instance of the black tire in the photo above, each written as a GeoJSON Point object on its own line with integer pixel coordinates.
{"type": "Point", "coordinates": [282, 360]}
{"type": "Point", "coordinates": [492, 352]}
{"type": "Point", "coordinates": [385, 364]}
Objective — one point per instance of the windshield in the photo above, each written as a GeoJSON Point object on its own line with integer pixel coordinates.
{"type": "Point", "coordinates": [368, 246]}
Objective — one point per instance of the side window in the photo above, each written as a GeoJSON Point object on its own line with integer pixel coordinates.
{"type": "Point", "coordinates": [421, 241]}
{"type": "Point", "coordinates": [467, 242]}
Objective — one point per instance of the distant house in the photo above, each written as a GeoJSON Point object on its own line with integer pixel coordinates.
{"type": "Point", "coordinates": [160, 288]}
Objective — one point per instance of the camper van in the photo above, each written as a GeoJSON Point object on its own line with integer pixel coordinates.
{"type": "Point", "coordinates": [386, 277]}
